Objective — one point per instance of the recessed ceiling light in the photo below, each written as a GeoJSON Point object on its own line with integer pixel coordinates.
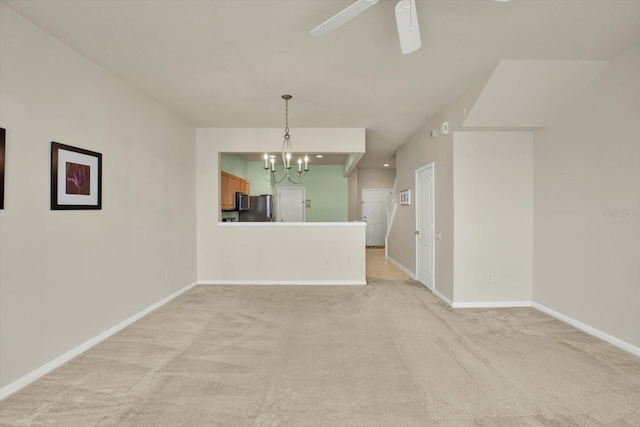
{"type": "Point", "coordinates": [273, 156]}
{"type": "Point", "coordinates": [386, 165]}
{"type": "Point", "coordinates": [319, 156]}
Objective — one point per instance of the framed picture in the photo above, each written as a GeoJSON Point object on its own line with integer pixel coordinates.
{"type": "Point", "coordinates": [76, 178]}
{"type": "Point", "coordinates": [405, 197]}
{"type": "Point", "coordinates": [2, 136]}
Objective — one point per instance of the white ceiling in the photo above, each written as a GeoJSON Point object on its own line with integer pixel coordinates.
{"type": "Point", "coordinates": [225, 63]}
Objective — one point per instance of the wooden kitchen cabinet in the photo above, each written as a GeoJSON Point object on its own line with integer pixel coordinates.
{"type": "Point", "coordinates": [229, 186]}
{"type": "Point", "coordinates": [232, 187]}
{"type": "Point", "coordinates": [224, 195]}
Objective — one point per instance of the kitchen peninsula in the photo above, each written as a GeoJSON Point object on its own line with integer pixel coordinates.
{"type": "Point", "coordinates": [318, 253]}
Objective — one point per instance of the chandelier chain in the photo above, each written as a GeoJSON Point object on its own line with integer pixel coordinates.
{"type": "Point", "coordinates": [286, 119]}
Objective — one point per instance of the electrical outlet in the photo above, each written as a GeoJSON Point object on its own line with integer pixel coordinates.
{"type": "Point", "coordinates": [490, 277]}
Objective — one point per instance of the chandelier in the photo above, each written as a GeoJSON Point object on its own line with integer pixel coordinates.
{"type": "Point", "coordinates": [270, 173]}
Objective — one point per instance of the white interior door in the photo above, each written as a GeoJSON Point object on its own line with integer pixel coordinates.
{"type": "Point", "coordinates": [374, 213]}
{"type": "Point", "coordinates": [425, 225]}
{"type": "Point", "coordinates": [291, 206]}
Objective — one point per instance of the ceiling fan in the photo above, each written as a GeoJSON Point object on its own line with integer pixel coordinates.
{"type": "Point", "coordinates": [406, 20]}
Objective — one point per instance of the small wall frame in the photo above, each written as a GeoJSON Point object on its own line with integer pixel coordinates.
{"type": "Point", "coordinates": [405, 197]}
{"type": "Point", "coordinates": [76, 178]}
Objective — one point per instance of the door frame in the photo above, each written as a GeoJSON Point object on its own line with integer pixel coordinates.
{"type": "Point", "coordinates": [304, 200]}
{"type": "Point", "coordinates": [432, 166]}
{"type": "Point", "coordinates": [390, 190]}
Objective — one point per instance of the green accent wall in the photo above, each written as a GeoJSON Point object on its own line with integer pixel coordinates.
{"type": "Point", "coordinates": [327, 190]}
{"type": "Point", "coordinates": [259, 185]}
{"type": "Point", "coordinates": [233, 164]}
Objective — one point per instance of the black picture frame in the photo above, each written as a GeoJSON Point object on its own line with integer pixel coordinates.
{"type": "Point", "coordinates": [3, 133]}
{"type": "Point", "coordinates": [76, 178]}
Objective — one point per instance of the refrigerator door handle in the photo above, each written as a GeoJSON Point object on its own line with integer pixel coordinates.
{"type": "Point", "coordinates": [269, 207]}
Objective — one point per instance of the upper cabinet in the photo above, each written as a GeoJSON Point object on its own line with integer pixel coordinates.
{"type": "Point", "coordinates": [229, 186]}
{"type": "Point", "coordinates": [246, 187]}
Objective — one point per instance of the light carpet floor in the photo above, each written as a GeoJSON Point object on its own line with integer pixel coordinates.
{"type": "Point", "coordinates": [386, 354]}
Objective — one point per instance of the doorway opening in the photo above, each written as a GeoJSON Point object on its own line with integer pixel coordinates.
{"type": "Point", "coordinates": [379, 268]}
{"type": "Point", "coordinates": [374, 212]}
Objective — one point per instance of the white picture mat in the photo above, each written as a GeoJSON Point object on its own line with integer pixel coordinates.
{"type": "Point", "coordinates": [405, 197]}
{"type": "Point", "coordinates": [65, 156]}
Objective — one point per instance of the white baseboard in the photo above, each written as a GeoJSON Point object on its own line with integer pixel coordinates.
{"type": "Point", "coordinates": [491, 304]}
{"type": "Point", "coordinates": [442, 297]}
{"type": "Point", "coordinates": [589, 329]}
{"type": "Point", "coordinates": [50, 366]}
{"type": "Point", "coordinates": [284, 282]}
{"type": "Point", "coordinates": [401, 267]}
{"type": "Point", "coordinates": [413, 276]}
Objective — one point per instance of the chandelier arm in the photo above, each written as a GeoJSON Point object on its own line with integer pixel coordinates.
{"type": "Point", "coordinates": [284, 152]}
{"type": "Point", "coordinates": [286, 149]}
{"type": "Point", "coordinates": [270, 176]}
{"type": "Point", "coordinates": [303, 177]}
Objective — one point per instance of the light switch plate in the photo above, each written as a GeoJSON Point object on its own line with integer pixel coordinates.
{"type": "Point", "coordinates": [444, 128]}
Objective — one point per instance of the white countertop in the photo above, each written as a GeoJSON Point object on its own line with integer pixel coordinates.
{"type": "Point", "coordinates": [293, 224]}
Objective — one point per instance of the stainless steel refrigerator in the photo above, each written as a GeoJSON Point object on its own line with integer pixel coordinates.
{"type": "Point", "coordinates": [261, 209]}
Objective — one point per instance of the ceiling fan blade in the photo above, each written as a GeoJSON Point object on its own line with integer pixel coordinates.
{"type": "Point", "coordinates": [340, 18]}
{"type": "Point", "coordinates": [408, 28]}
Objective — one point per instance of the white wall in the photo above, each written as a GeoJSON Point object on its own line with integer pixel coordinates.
{"type": "Point", "coordinates": [67, 276]}
{"type": "Point", "coordinates": [549, 87]}
{"type": "Point", "coordinates": [376, 178]}
{"type": "Point", "coordinates": [281, 253]}
{"type": "Point", "coordinates": [420, 150]}
{"type": "Point", "coordinates": [587, 205]}
{"type": "Point", "coordinates": [493, 219]}
{"type": "Point", "coordinates": [325, 253]}
{"type": "Point", "coordinates": [373, 179]}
